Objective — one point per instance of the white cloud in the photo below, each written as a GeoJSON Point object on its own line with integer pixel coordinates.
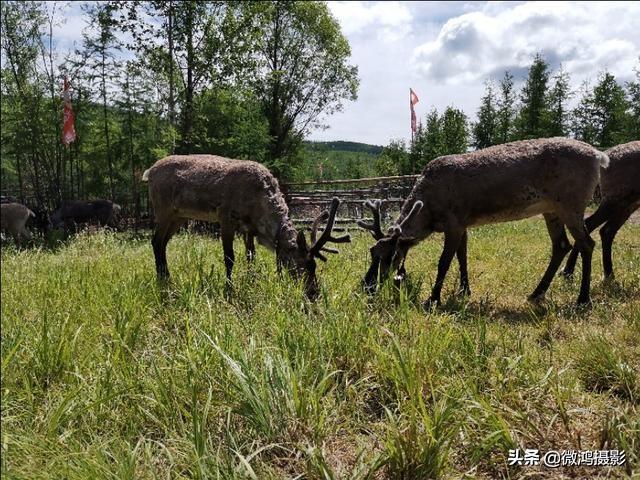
{"type": "Point", "coordinates": [584, 37]}
{"type": "Point", "coordinates": [391, 19]}
{"type": "Point", "coordinates": [69, 25]}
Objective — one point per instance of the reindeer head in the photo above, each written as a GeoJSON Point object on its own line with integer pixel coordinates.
{"type": "Point", "coordinates": [300, 259]}
{"type": "Point", "coordinates": [390, 250]}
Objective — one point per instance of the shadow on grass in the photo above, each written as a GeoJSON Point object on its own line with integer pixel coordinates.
{"type": "Point", "coordinates": [467, 309]}
{"type": "Point", "coordinates": [612, 289]}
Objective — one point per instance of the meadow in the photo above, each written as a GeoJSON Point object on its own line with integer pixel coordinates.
{"type": "Point", "coordinates": [107, 375]}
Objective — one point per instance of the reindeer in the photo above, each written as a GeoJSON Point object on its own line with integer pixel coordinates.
{"type": "Point", "coordinates": [554, 177]}
{"type": "Point", "coordinates": [13, 218]}
{"type": "Point", "coordinates": [73, 212]}
{"type": "Point", "coordinates": [244, 198]}
{"type": "Point", "coordinates": [620, 187]}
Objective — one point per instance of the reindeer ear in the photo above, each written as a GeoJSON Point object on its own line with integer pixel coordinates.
{"type": "Point", "coordinates": [302, 241]}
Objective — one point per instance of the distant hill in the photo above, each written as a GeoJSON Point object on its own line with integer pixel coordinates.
{"type": "Point", "coordinates": [335, 160]}
{"type": "Point", "coordinates": [343, 146]}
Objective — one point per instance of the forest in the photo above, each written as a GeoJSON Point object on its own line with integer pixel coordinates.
{"type": "Point", "coordinates": [604, 114]}
{"type": "Point", "coordinates": [248, 80]}
{"type": "Point", "coordinates": [240, 79]}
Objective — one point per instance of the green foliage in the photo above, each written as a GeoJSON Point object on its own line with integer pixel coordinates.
{"type": "Point", "coordinates": [337, 160]}
{"type": "Point", "coordinates": [427, 143]}
{"type": "Point", "coordinates": [610, 107]}
{"type": "Point", "coordinates": [230, 124]}
{"type": "Point", "coordinates": [455, 132]}
{"type": "Point", "coordinates": [506, 109]}
{"type": "Point", "coordinates": [558, 115]}
{"type": "Point", "coordinates": [196, 79]}
{"type": "Point", "coordinates": [530, 122]}
{"type": "Point", "coordinates": [444, 134]}
{"type": "Point", "coordinates": [584, 122]}
{"type": "Point", "coordinates": [485, 129]}
{"type": "Point", "coordinates": [604, 116]}
{"type": "Point", "coordinates": [633, 91]}
{"type": "Point", "coordinates": [302, 72]}
{"type": "Point", "coordinates": [394, 159]}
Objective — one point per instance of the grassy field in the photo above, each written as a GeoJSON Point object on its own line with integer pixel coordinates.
{"type": "Point", "coordinates": [107, 375]}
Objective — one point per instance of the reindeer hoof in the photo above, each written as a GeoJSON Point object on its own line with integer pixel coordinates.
{"type": "Point", "coordinates": [430, 303]}
{"type": "Point", "coordinates": [609, 280]}
{"type": "Point", "coordinates": [583, 302]}
{"type": "Point", "coordinates": [567, 274]}
{"type": "Point", "coordinates": [536, 299]}
{"type": "Point", "coordinates": [464, 291]}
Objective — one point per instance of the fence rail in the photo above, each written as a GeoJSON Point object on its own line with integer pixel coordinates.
{"type": "Point", "coordinates": [305, 199]}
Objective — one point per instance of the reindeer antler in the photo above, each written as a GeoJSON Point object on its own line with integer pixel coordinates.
{"type": "Point", "coordinates": [374, 227]}
{"type": "Point", "coordinates": [318, 245]}
{"type": "Point", "coordinates": [417, 206]}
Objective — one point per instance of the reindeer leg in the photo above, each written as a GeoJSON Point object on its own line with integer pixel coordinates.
{"type": "Point", "coordinates": [607, 234]}
{"type": "Point", "coordinates": [163, 233]}
{"type": "Point", "coordinates": [585, 244]}
{"type": "Point", "coordinates": [601, 215]}
{"type": "Point", "coordinates": [26, 235]}
{"type": "Point", "coordinates": [370, 281]}
{"type": "Point", "coordinates": [17, 238]}
{"type": "Point", "coordinates": [461, 254]}
{"type": "Point", "coordinates": [452, 239]}
{"type": "Point", "coordinates": [250, 247]}
{"type": "Point", "coordinates": [227, 232]}
{"type": "Point", "coordinates": [159, 251]}
{"type": "Point", "coordinates": [560, 246]}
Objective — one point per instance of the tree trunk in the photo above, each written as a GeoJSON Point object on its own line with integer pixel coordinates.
{"type": "Point", "coordinates": [106, 124]}
{"type": "Point", "coordinates": [172, 107]}
{"type": "Point", "coordinates": [187, 126]}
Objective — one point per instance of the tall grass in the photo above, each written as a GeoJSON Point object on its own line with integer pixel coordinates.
{"type": "Point", "coordinates": [106, 374]}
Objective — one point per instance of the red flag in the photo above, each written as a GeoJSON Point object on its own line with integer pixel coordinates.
{"type": "Point", "coordinates": [68, 128]}
{"type": "Point", "coordinates": [413, 99]}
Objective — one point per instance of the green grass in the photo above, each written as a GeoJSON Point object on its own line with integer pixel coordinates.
{"type": "Point", "coordinates": [107, 375]}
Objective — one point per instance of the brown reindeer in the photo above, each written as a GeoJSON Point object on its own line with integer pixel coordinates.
{"type": "Point", "coordinates": [13, 219]}
{"type": "Point", "coordinates": [244, 198]}
{"type": "Point", "coordinates": [620, 187]}
{"type": "Point", "coordinates": [554, 177]}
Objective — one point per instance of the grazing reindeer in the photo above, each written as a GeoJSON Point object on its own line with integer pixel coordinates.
{"type": "Point", "coordinates": [244, 198]}
{"type": "Point", "coordinates": [555, 177]}
{"type": "Point", "coordinates": [13, 218]}
{"type": "Point", "coordinates": [72, 212]}
{"type": "Point", "coordinates": [620, 187]}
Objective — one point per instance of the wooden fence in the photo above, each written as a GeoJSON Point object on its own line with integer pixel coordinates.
{"type": "Point", "coordinates": [305, 199]}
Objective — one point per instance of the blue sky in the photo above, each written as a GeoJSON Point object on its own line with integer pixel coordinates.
{"type": "Point", "coordinates": [446, 51]}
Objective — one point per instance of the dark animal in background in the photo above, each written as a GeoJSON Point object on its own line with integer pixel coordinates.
{"type": "Point", "coordinates": [7, 199]}
{"type": "Point", "coordinates": [13, 219]}
{"type": "Point", "coordinates": [555, 177]}
{"type": "Point", "coordinates": [620, 188]}
{"type": "Point", "coordinates": [40, 221]}
{"type": "Point", "coordinates": [244, 198]}
{"type": "Point", "coordinates": [76, 212]}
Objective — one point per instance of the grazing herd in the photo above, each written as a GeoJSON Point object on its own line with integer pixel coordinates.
{"type": "Point", "coordinates": [555, 177]}
{"type": "Point", "coordinates": [68, 217]}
